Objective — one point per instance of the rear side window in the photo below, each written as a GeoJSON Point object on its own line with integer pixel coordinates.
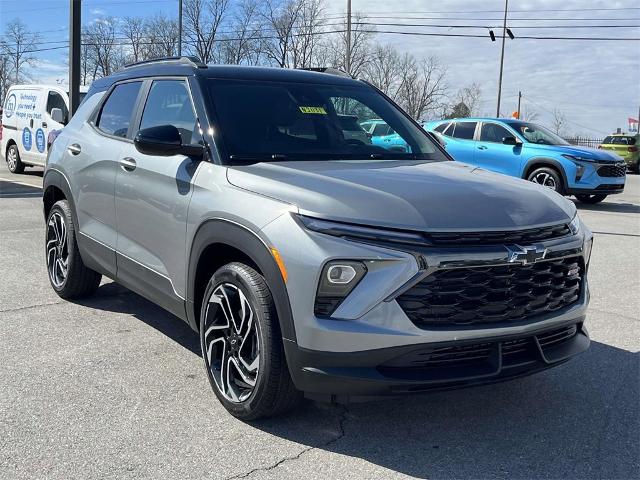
{"type": "Point", "coordinates": [169, 103]}
{"type": "Point", "coordinates": [464, 130]}
{"type": "Point", "coordinates": [115, 116]}
{"type": "Point", "coordinates": [620, 140]}
{"type": "Point", "coordinates": [492, 132]}
{"type": "Point", "coordinates": [55, 100]}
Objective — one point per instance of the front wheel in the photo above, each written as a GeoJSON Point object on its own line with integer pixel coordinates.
{"type": "Point", "coordinates": [547, 177]}
{"type": "Point", "coordinates": [14, 164]}
{"type": "Point", "coordinates": [591, 199]}
{"type": "Point", "coordinates": [242, 345]}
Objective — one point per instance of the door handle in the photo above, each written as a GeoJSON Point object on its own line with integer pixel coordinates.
{"type": "Point", "coordinates": [482, 147]}
{"type": "Point", "coordinates": [44, 124]}
{"type": "Point", "coordinates": [128, 164]}
{"type": "Point", "coordinates": [31, 123]}
{"type": "Point", "coordinates": [74, 149]}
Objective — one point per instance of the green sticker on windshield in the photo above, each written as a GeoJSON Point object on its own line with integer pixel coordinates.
{"type": "Point", "coordinates": [315, 110]}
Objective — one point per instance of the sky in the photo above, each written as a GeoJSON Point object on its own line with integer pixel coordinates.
{"type": "Point", "coordinates": [595, 84]}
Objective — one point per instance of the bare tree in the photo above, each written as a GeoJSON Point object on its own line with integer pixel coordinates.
{"type": "Point", "coordinates": [5, 70]}
{"type": "Point", "coordinates": [558, 120]}
{"type": "Point", "coordinates": [335, 48]}
{"type": "Point", "coordinates": [383, 68]}
{"type": "Point", "coordinates": [530, 115]}
{"type": "Point", "coordinates": [135, 31]}
{"type": "Point", "coordinates": [470, 96]}
{"type": "Point", "coordinates": [243, 45]}
{"type": "Point", "coordinates": [280, 20]}
{"type": "Point", "coordinates": [306, 37]}
{"type": "Point", "coordinates": [161, 37]}
{"type": "Point", "coordinates": [202, 18]}
{"type": "Point", "coordinates": [19, 45]}
{"type": "Point", "coordinates": [105, 50]}
{"type": "Point", "coordinates": [422, 87]}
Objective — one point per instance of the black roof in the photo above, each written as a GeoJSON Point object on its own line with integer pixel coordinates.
{"type": "Point", "coordinates": [187, 67]}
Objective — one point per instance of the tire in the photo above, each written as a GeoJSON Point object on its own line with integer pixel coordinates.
{"type": "Point", "coordinates": [256, 383]}
{"type": "Point", "coordinates": [591, 199]}
{"type": "Point", "coordinates": [14, 164]}
{"type": "Point", "coordinates": [548, 177]}
{"type": "Point", "coordinates": [76, 280]}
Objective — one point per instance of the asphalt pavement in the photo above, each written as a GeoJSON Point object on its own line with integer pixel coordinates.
{"type": "Point", "coordinates": [113, 387]}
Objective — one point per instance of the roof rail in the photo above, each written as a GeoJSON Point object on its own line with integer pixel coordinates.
{"type": "Point", "coordinates": [329, 70]}
{"type": "Point", "coordinates": [184, 60]}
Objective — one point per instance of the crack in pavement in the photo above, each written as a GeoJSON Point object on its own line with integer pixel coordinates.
{"type": "Point", "coordinates": [341, 434]}
{"type": "Point", "coordinates": [100, 297]}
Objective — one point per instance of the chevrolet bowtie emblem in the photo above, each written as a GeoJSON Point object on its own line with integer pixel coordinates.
{"type": "Point", "coordinates": [525, 255]}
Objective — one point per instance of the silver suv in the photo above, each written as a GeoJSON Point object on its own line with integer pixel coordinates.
{"type": "Point", "coordinates": [311, 261]}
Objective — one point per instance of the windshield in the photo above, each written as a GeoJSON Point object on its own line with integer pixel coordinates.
{"type": "Point", "coordinates": [536, 134]}
{"type": "Point", "coordinates": [277, 121]}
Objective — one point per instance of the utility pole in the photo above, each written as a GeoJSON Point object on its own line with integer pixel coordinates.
{"type": "Point", "coordinates": [519, 99]}
{"type": "Point", "coordinates": [179, 28]}
{"type": "Point", "coordinates": [348, 59]}
{"type": "Point", "coordinates": [504, 34]}
{"type": "Point", "coordinates": [75, 11]}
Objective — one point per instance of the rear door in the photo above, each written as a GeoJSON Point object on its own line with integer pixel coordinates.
{"type": "Point", "coordinates": [494, 155]}
{"type": "Point", "coordinates": [460, 141]}
{"type": "Point", "coordinates": [152, 198]}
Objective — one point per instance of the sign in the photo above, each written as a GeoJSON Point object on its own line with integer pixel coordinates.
{"type": "Point", "coordinates": [41, 141]}
{"type": "Point", "coordinates": [26, 138]}
{"type": "Point", "coordinates": [10, 106]}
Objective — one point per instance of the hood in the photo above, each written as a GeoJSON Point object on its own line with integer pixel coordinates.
{"type": "Point", "coordinates": [584, 152]}
{"type": "Point", "coordinates": [442, 196]}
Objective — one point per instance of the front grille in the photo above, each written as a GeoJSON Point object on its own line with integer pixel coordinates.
{"type": "Point", "coordinates": [615, 170]}
{"type": "Point", "coordinates": [528, 236]}
{"type": "Point", "coordinates": [477, 355]}
{"type": "Point", "coordinates": [610, 186]}
{"type": "Point", "coordinates": [482, 295]}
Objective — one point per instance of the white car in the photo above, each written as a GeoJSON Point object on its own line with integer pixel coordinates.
{"type": "Point", "coordinates": [30, 113]}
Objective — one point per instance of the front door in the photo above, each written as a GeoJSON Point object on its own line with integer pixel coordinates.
{"type": "Point", "coordinates": [152, 199]}
{"type": "Point", "coordinates": [492, 154]}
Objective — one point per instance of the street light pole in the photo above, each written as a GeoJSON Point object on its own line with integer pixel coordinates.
{"type": "Point", "coordinates": [179, 28]}
{"type": "Point", "coordinates": [504, 34]}
{"type": "Point", "coordinates": [348, 59]}
{"type": "Point", "coordinates": [75, 11]}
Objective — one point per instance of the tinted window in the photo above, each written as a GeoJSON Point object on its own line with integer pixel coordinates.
{"type": "Point", "coordinates": [266, 121]}
{"type": "Point", "coordinates": [115, 115]}
{"type": "Point", "coordinates": [492, 132]}
{"type": "Point", "coordinates": [169, 103]}
{"type": "Point", "coordinates": [381, 130]}
{"type": "Point", "coordinates": [440, 128]}
{"type": "Point", "coordinates": [464, 130]}
{"type": "Point", "coordinates": [620, 140]}
{"type": "Point", "coordinates": [55, 100]}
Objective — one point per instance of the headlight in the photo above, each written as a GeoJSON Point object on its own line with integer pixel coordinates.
{"type": "Point", "coordinates": [574, 226]}
{"type": "Point", "coordinates": [576, 158]}
{"type": "Point", "coordinates": [338, 279]}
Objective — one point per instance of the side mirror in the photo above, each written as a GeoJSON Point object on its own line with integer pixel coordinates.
{"type": "Point", "coordinates": [165, 140]}
{"type": "Point", "coordinates": [510, 141]}
{"type": "Point", "coordinates": [56, 115]}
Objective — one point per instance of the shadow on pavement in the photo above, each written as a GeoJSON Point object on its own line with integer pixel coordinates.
{"type": "Point", "coordinates": [610, 207]}
{"type": "Point", "coordinates": [9, 189]}
{"type": "Point", "coordinates": [579, 420]}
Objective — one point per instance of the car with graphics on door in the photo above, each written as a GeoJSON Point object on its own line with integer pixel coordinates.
{"type": "Point", "coordinates": [309, 263]}
{"type": "Point", "coordinates": [527, 150]}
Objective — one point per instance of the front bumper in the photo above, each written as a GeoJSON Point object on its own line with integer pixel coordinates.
{"type": "Point", "coordinates": [357, 376]}
{"type": "Point", "coordinates": [602, 189]}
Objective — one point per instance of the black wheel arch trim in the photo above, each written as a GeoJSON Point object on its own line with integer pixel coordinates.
{"type": "Point", "coordinates": [545, 162]}
{"type": "Point", "coordinates": [55, 178]}
{"type": "Point", "coordinates": [248, 242]}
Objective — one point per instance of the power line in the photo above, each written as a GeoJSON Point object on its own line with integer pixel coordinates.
{"type": "Point", "coordinates": [528, 99]}
{"type": "Point", "coordinates": [432, 25]}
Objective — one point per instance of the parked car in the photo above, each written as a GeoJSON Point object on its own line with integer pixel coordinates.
{"type": "Point", "coordinates": [352, 130]}
{"type": "Point", "coordinates": [384, 136]}
{"type": "Point", "coordinates": [30, 113]}
{"type": "Point", "coordinates": [526, 150]}
{"type": "Point", "coordinates": [625, 146]}
{"type": "Point", "coordinates": [309, 263]}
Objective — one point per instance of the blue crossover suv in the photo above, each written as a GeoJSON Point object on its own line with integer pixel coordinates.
{"type": "Point", "coordinates": [526, 150]}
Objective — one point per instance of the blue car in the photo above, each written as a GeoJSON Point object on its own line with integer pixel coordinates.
{"type": "Point", "coordinates": [382, 135]}
{"type": "Point", "coordinates": [526, 150]}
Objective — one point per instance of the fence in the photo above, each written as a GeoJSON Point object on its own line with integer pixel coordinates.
{"type": "Point", "coordinates": [585, 142]}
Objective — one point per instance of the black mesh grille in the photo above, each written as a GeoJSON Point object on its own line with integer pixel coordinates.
{"type": "Point", "coordinates": [617, 170]}
{"type": "Point", "coordinates": [531, 235]}
{"type": "Point", "coordinates": [502, 293]}
{"type": "Point", "coordinates": [610, 186]}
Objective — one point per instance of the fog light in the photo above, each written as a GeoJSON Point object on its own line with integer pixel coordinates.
{"type": "Point", "coordinates": [341, 274]}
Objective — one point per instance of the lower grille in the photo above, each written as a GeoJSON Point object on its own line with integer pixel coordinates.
{"type": "Point", "coordinates": [610, 186]}
{"type": "Point", "coordinates": [615, 170]}
{"type": "Point", "coordinates": [482, 295]}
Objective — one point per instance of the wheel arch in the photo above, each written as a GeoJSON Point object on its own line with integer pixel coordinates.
{"type": "Point", "coordinates": [538, 162]}
{"type": "Point", "coordinates": [219, 241]}
{"type": "Point", "coordinates": [55, 187]}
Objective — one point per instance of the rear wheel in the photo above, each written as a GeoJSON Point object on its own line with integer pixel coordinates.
{"type": "Point", "coordinates": [591, 199]}
{"type": "Point", "coordinates": [68, 275]}
{"type": "Point", "coordinates": [547, 177]}
{"type": "Point", "coordinates": [14, 164]}
{"type": "Point", "coordinates": [242, 345]}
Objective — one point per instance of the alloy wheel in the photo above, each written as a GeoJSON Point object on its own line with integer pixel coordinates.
{"type": "Point", "coordinates": [12, 159]}
{"type": "Point", "coordinates": [231, 340]}
{"type": "Point", "coordinates": [57, 250]}
{"type": "Point", "coordinates": [545, 179]}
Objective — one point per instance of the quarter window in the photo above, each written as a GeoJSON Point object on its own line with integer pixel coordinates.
{"type": "Point", "coordinates": [115, 116]}
{"type": "Point", "coordinates": [492, 132]}
{"type": "Point", "coordinates": [464, 130]}
{"type": "Point", "coordinates": [440, 128]}
{"type": "Point", "coordinates": [169, 103]}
